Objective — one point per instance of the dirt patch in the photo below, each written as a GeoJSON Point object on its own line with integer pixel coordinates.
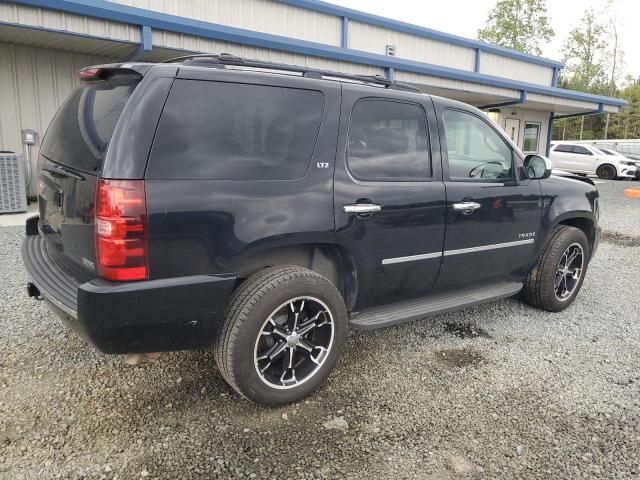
{"type": "Point", "coordinates": [458, 357]}
{"type": "Point", "coordinates": [465, 330]}
{"type": "Point", "coordinates": [620, 239]}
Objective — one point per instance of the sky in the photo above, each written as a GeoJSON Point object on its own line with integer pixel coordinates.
{"type": "Point", "coordinates": [465, 17]}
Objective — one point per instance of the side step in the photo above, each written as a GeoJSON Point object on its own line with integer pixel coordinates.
{"type": "Point", "coordinates": [409, 310]}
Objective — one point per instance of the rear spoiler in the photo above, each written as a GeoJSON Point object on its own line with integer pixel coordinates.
{"type": "Point", "coordinates": [99, 72]}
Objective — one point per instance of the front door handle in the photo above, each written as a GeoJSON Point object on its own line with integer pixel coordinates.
{"type": "Point", "coordinates": [362, 208]}
{"type": "Point", "coordinates": [467, 208]}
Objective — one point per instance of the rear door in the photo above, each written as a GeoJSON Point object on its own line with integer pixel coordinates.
{"type": "Point", "coordinates": [493, 214]}
{"type": "Point", "coordinates": [71, 157]}
{"type": "Point", "coordinates": [389, 196]}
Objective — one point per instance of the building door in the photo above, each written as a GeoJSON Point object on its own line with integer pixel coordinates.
{"type": "Point", "coordinates": [512, 127]}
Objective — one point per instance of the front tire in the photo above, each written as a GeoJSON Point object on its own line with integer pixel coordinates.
{"type": "Point", "coordinates": [606, 172]}
{"type": "Point", "coordinates": [556, 279]}
{"type": "Point", "coordinates": [284, 330]}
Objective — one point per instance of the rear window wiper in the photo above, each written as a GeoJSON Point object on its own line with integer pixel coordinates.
{"type": "Point", "coordinates": [59, 170]}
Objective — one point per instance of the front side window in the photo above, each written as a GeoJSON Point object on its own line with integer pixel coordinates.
{"type": "Point", "coordinates": [563, 149]}
{"type": "Point", "coordinates": [232, 131]}
{"type": "Point", "coordinates": [388, 141]}
{"type": "Point", "coordinates": [475, 150]}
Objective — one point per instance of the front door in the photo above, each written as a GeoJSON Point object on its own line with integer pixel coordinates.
{"type": "Point", "coordinates": [512, 127]}
{"type": "Point", "coordinates": [493, 215]}
{"type": "Point", "coordinates": [389, 196]}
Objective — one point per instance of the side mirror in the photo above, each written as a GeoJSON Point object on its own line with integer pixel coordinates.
{"type": "Point", "coordinates": [537, 167]}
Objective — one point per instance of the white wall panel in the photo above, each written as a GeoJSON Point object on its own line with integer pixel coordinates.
{"type": "Point", "coordinates": [258, 15]}
{"type": "Point", "coordinates": [505, 67]}
{"type": "Point", "coordinates": [66, 22]}
{"type": "Point", "coordinates": [374, 39]}
{"type": "Point", "coordinates": [189, 43]}
{"type": "Point", "coordinates": [34, 83]}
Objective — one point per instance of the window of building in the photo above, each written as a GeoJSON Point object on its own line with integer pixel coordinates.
{"type": "Point", "coordinates": [475, 151]}
{"type": "Point", "coordinates": [531, 137]}
{"type": "Point", "coordinates": [231, 131]}
{"type": "Point", "coordinates": [388, 141]}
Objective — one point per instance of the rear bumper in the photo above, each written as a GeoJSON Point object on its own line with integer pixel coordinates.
{"type": "Point", "coordinates": [149, 316]}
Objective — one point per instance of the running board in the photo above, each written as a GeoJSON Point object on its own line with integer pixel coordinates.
{"type": "Point", "coordinates": [409, 310]}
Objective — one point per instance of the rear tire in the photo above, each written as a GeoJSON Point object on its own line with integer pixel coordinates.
{"type": "Point", "coordinates": [270, 349]}
{"type": "Point", "coordinates": [554, 282]}
{"type": "Point", "coordinates": [606, 172]}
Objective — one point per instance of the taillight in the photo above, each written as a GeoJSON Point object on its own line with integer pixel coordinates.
{"type": "Point", "coordinates": [121, 230]}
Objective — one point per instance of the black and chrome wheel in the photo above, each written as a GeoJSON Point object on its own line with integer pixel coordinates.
{"type": "Point", "coordinates": [557, 276]}
{"type": "Point", "coordinates": [294, 342]}
{"type": "Point", "coordinates": [606, 172]}
{"type": "Point", "coordinates": [284, 330]}
{"type": "Point", "coordinates": [569, 272]}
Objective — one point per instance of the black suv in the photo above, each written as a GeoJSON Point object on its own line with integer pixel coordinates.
{"type": "Point", "coordinates": [266, 209]}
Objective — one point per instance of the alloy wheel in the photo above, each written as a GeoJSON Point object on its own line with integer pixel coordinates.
{"type": "Point", "coordinates": [569, 272]}
{"type": "Point", "coordinates": [294, 342]}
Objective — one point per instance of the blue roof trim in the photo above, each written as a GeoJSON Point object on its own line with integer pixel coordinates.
{"type": "Point", "coordinates": [404, 27]}
{"type": "Point", "coordinates": [522, 99]}
{"type": "Point", "coordinates": [162, 21]}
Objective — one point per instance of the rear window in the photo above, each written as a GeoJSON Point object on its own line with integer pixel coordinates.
{"type": "Point", "coordinates": [230, 131]}
{"type": "Point", "coordinates": [81, 130]}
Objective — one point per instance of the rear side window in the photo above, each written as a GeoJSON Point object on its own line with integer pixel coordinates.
{"type": "Point", "coordinates": [388, 141]}
{"type": "Point", "coordinates": [230, 131]}
{"type": "Point", "coordinates": [580, 150]}
{"type": "Point", "coordinates": [81, 130]}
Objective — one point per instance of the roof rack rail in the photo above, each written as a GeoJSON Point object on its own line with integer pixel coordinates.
{"type": "Point", "coordinates": [223, 59]}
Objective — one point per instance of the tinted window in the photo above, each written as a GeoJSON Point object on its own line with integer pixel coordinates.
{"type": "Point", "coordinates": [388, 141]}
{"type": "Point", "coordinates": [475, 150]}
{"type": "Point", "coordinates": [81, 130]}
{"type": "Point", "coordinates": [563, 148]}
{"type": "Point", "coordinates": [607, 152]}
{"type": "Point", "coordinates": [230, 131]}
{"type": "Point", "coordinates": [580, 150]}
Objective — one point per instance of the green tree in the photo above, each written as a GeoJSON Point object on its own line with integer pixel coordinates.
{"type": "Point", "coordinates": [522, 25]}
{"type": "Point", "coordinates": [585, 56]}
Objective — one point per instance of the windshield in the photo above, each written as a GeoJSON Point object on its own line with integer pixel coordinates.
{"type": "Point", "coordinates": [81, 130]}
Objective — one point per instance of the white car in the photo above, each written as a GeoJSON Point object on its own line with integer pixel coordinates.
{"type": "Point", "coordinates": [624, 160]}
{"type": "Point", "coordinates": [588, 160]}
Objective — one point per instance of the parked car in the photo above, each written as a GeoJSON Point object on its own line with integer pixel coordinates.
{"type": "Point", "coordinates": [628, 160]}
{"type": "Point", "coordinates": [266, 209]}
{"type": "Point", "coordinates": [588, 160]}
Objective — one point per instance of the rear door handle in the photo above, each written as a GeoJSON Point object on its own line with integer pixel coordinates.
{"type": "Point", "coordinates": [360, 208]}
{"type": "Point", "coordinates": [467, 208]}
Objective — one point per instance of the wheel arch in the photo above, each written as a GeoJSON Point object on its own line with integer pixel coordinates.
{"type": "Point", "coordinates": [328, 259]}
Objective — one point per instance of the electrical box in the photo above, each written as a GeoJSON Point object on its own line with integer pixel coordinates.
{"type": "Point", "coordinates": [390, 50]}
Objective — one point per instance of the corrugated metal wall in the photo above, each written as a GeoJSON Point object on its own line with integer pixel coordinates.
{"type": "Point", "coordinates": [374, 39]}
{"type": "Point", "coordinates": [258, 15]}
{"type": "Point", "coordinates": [179, 41]}
{"type": "Point", "coordinates": [34, 83]}
{"type": "Point", "coordinates": [505, 67]}
{"type": "Point", "coordinates": [66, 22]}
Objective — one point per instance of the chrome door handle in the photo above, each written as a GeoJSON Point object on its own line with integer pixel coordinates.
{"type": "Point", "coordinates": [467, 208]}
{"type": "Point", "coordinates": [360, 208]}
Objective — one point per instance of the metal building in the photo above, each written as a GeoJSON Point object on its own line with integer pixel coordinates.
{"type": "Point", "coordinates": [43, 43]}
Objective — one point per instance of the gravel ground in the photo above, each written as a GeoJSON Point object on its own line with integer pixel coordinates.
{"type": "Point", "coordinates": [497, 391]}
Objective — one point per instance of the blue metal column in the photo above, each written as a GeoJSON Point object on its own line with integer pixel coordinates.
{"type": "Point", "coordinates": [476, 65]}
{"type": "Point", "coordinates": [344, 37]}
{"type": "Point", "coordinates": [549, 134]}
